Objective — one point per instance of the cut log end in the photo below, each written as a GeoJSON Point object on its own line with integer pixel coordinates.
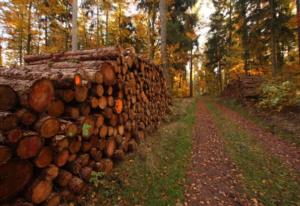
{"type": "Point", "coordinates": [108, 73]}
{"type": "Point", "coordinates": [41, 94]}
{"type": "Point", "coordinates": [8, 98]}
{"type": "Point", "coordinates": [29, 147]}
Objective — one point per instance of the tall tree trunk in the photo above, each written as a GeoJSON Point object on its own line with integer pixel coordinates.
{"type": "Point", "coordinates": [29, 35]}
{"type": "Point", "coordinates": [46, 31]}
{"type": "Point", "coordinates": [230, 23]}
{"type": "Point", "coordinates": [1, 61]}
{"type": "Point", "coordinates": [273, 40]}
{"type": "Point", "coordinates": [21, 48]}
{"type": "Point", "coordinates": [245, 38]}
{"type": "Point", "coordinates": [98, 26]}
{"type": "Point", "coordinates": [151, 26]}
{"type": "Point", "coordinates": [163, 25]}
{"type": "Point", "coordinates": [298, 20]}
{"type": "Point", "coordinates": [74, 26]}
{"type": "Point", "coordinates": [106, 27]}
{"type": "Point", "coordinates": [191, 73]}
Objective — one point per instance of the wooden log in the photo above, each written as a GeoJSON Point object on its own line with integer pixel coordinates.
{"type": "Point", "coordinates": [88, 127]}
{"type": "Point", "coordinates": [119, 155]}
{"type": "Point", "coordinates": [69, 128]}
{"type": "Point", "coordinates": [76, 185]}
{"type": "Point", "coordinates": [73, 112]}
{"type": "Point", "coordinates": [96, 154]}
{"type": "Point", "coordinates": [83, 160]}
{"type": "Point", "coordinates": [103, 131]}
{"type": "Point", "coordinates": [102, 102]}
{"type": "Point", "coordinates": [75, 146]}
{"type": "Point", "coordinates": [81, 93]}
{"type": "Point", "coordinates": [62, 158]}
{"type": "Point", "coordinates": [86, 146]}
{"type": "Point", "coordinates": [94, 102]}
{"type": "Point", "coordinates": [47, 126]}
{"type": "Point", "coordinates": [26, 117]}
{"type": "Point", "coordinates": [8, 121]}
{"type": "Point", "coordinates": [99, 90]}
{"type": "Point", "coordinates": [110, 101]}
{"type": "Point", "coordinates": [99, 120]}
{"type": "Point", "coordinates": [14, 177]}
{"type": "Point", "coordinates": [56, 108]}
{"type": "Point", "coordinates": [98, 77]}
{"type": "Point", "coordinates": [63, 178]}
{"type": "Point", "coordinates": [53, 200]}
{"type": "Point", "coordinates": [102, 144]}
{"type": "Point", "coordinates": [51, 172]}
{"type": "Point", "coordinates": [39, 190]}
{"type": "Point", "coordinates": [132, 145]}
{"type": "Point", "coordinates": [86, 173]}
{"type": "Point", "coordinates": [111, 147]}
{"type": "Point", "coordinates": [113, 121]}
{"type": "Point", "coordinates": [108, 166]}
{"type": "Point", "coordinates": [85, 109]}
{"type": "Point", "coordinates": [29, 147]}
{"type": "Point", "coordinates": [66, 195]}
{"type": "Point", "coordinates": [67, 95]}
{"type": "Point", "coordinates": [21, 202]}
{"type": "Point", "coordinates": [44, 157]}
{"type": "Point", "coordinates": [108, 73]}
{"type": "Point", "coordinates": [41, 94]}
{"type": "Point", "coordinates": [8, 98]}
{"type": "Point", "coordinates": [108, 112]}
{"type": "Point", "coordinates": [94, 140]}
{"type": "Point", "coordinates": [5, 154]}
{"type": "Point", "coordinates": [14, 135]}
{"type": "Point", "coordinates": [60, 143]}
{"type": "Point", "coordinates": [118, 106]}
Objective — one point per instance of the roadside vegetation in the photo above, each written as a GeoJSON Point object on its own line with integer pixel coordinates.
{"type": "Point", "coordinates": [264, 176]}
{"type": "Point", "coordinates": [268, 125]}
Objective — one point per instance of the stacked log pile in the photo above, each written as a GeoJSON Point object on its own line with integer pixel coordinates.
{"type": "Point", "coordinates": [65, 115]}
{"type": "Point", "coordinates": [245, 87]}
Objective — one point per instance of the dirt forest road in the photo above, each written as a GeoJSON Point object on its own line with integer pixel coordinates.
{"type": "Point", "coordinates": [213, 176]}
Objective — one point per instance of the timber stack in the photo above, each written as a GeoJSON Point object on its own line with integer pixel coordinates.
{"type": "Point", "coordinates": [65, 115]}
{"type": "Point", "coordinates": [245, 87]}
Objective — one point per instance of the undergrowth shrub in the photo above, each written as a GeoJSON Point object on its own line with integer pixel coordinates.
{"type": "Point", "coordinates": [277, 95]}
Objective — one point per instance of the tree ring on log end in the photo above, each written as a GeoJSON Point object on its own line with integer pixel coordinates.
{"type": "Point", "coordinates": [41, 95]}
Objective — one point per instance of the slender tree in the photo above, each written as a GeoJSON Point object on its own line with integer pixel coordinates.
{"type": "Point", "coordinates": [163, 34]}
{"type": "Point", "coordinates": [74, 26]}
{"type": "Point", "coordinates": [298, 21]}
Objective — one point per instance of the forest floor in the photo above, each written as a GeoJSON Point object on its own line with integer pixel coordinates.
{"type": "Point", "coordinates": [208, 152]}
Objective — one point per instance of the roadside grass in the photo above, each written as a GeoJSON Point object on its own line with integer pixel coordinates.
{"type": "Point", "coordinates": [283, 134]}
{"type": "Point", "coordinates": [155, 174]}
{"type": "Point", "coordinates": [264, 176]}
